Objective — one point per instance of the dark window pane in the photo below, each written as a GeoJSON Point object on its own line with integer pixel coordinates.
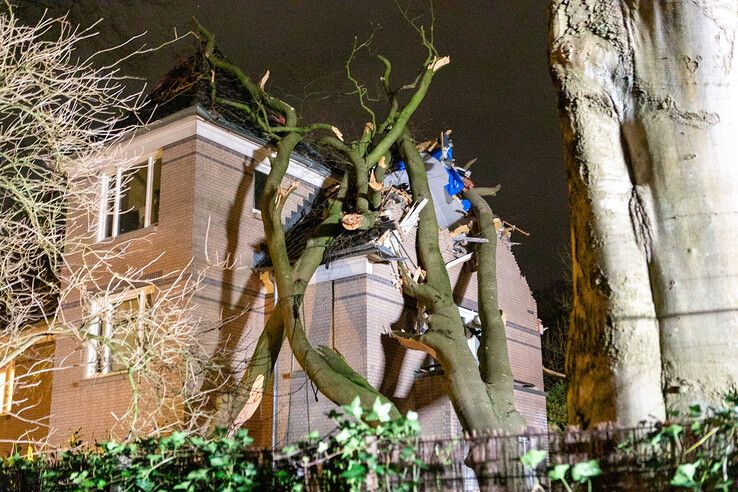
{"type": "Point", "coordinates": [259, 182]}
{"type": "Point", "coordinates": [155, 193]}
{"type": "Point", "coordinates": [132, 200]}
{"type": "Point", "coordinates": [110, 208]}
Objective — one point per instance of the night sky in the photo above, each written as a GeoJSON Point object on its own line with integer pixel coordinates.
{"type": "Point", "coordinates": [496, 94]}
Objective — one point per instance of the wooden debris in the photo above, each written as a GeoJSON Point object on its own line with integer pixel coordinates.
{"type": "Point", "coordinates": [439, 63]}
{"type": "Point", "coordinates": [263, 81]}
{"type": "Point", "coordinates": [255, 395]}
{"type": "Point", "coordinates": [418, 274]}
{"type": "Point", "coordinates": [337, 133]}
{"type": "Point", "coordinates": [463, 238]}
{"type": "Point", "coordinates": [424, 146]}
{"type": "Point", "coordinates": [462, 229]}
{"type": "Point", "coordinates": [283, 193]}
{"type": "Point", "coordinates": [458, 260]}
{"type": "Point", "coordinates": [373, 183]}
{"type": "Point", "coordinates": [412, 343]}
{"type": "Point", "coordinates": [514, 228]}
{"type": "Point", "coordinates": [413, 215]}
{"type": "Point", "coordinates": [469, 163]}
{"type": "Point", "coordinates": [352, 222]}
{"type": "Point", "coordinates": [382, 162]}
{"type": "Point", "coordinates": [497, 223]}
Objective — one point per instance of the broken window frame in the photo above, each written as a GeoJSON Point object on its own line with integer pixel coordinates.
{"type": "Point", "coordinates": [102, 329]}
{"type": "Point", "coordinates": [113, 187]}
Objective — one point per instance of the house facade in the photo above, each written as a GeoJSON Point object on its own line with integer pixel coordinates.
{"type": "Point", "coordinates": [189, 204]}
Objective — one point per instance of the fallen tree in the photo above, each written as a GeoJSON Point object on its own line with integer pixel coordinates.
{"type": "Point", "coordinates": [481, 393]}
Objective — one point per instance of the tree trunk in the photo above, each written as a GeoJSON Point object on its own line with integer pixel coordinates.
{"type": "Point", "coordinates": [649, 103]}
{"type": "Point", "coordinates": [493, 355]}
{"type": "Point", "coordinates": [481, 396]}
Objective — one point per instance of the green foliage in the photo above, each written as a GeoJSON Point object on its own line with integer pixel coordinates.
{"type": "Point", "coordinates": [701, 451]}
{"type": "Point", "coordinates": [175, 462]}
{"type": "Point", "coordinates": [709, 459]}
{"type": "Point", "coordinates": [533, 458]}
{"type": "Point", "coordinates": [556, 404]}
{"type": "Point", "coordinates": [581, 473]}
{"type": "Point", "coordinates": [367, 446]}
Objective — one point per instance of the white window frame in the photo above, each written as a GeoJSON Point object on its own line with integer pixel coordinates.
{"type": "Point", "coordinates": [102, 327]}
{"type": "Point", "coordinates": [7, 385]}
{"type": "Point", "coordinates": [113, 180]}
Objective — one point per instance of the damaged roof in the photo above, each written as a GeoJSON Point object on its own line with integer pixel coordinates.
{"type": "Point", "coordinates": [187, 85]}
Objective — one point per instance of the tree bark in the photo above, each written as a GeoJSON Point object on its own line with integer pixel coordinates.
{"type": "Point", "coordinates": [649, 103]}
{"type": "Point", "coordinates": [493, 355]}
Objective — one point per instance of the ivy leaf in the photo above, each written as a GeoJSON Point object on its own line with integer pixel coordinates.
{"type": "Point", "coordinates": [533, 458]}
{"type": "Point", "coordinates": [199, 474]}
{"type": "Point", "coordinates": [144, 484]}
{"type": "Point", "coordinates": [412, 416]}
{"type": "Point", "coordinates": [673, 431]}
{"type": "Point", "coordinates": [218, 461]}
{"type": "Point", "coordinates": [177, 439]}
{"type": "Point", "coordinates": [322, 447]}
{"type": "Point", "coordinates": [559, 472]}
{"type": "Point", "coordinates": [382, 410]}
{"type": "Point", "coordinates": [343, 436]}
{"type": "Point", "coordinates": [355, 470]}
{"type": "Point", "coordinates": [354, 408]}
{"type": "Point", "coordinates": [684, 475]}
{"type": "Point", "coordinates": [313, 436]}
{"type": "Point", "coordinates": [581, 472]}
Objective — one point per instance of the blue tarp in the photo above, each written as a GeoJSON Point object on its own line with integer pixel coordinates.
{"type": "Point", "coordinates": [455, 183]}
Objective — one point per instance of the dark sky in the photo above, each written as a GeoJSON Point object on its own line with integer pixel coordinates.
{"type": "Point", "coordinates": [496, 94]}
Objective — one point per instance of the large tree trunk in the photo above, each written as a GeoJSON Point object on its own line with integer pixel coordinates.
{"type": "Point", "coordinates": [649, 103]}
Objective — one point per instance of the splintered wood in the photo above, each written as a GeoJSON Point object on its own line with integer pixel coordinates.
{"type": "Point", "coordinates": [351, 222]}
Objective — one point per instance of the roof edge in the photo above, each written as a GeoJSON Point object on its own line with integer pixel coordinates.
{"type": "Point", "coordinates": [198, 110]}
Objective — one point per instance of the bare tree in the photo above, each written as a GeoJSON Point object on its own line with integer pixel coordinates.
{"type": "Point", "coordinates": [63, 122]}
{"type": "Point", "coordinates": [649, 101]}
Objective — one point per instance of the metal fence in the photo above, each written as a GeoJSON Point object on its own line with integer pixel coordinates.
{"type": "Point", "coordinates": [627, 457]}
{"type": "Point", "coordinates": [492, 462]}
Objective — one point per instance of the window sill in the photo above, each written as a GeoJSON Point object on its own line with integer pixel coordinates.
{"type": "Point", "coordinates": [113, 375]}
{"type": "Point", "coordinates": [127, 236]}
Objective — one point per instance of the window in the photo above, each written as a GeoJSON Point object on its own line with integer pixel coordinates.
{"type": "Point", "coordinates": [130, 198]}
{"type": "Point", "coordinates": [7, 382]}
{"type": "Point", "coordinates": [117, 330]}
{"type": "Point", "coordinates": [260, 178]}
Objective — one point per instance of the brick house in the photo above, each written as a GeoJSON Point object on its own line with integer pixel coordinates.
{"type": "Point", "coordinates": [199, 171]}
